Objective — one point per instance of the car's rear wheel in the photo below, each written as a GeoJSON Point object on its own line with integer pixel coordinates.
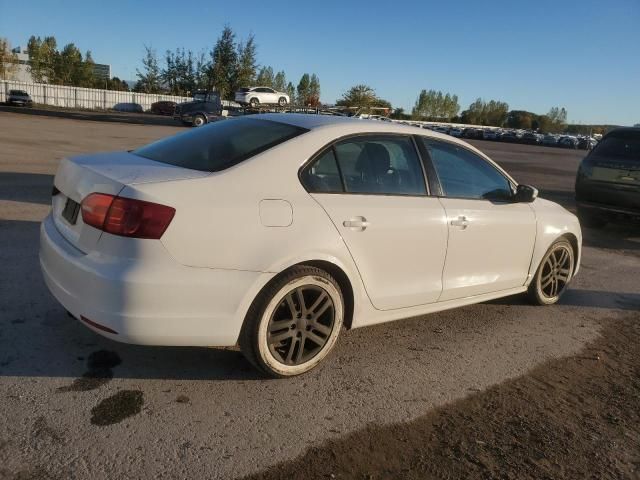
{"type": "Point", "coordinates": [293, 323]}
{"type": "Point", "coordinates": [282, 101]}
{"type": "Point", "coordinates": [553, 274]}
{"type": "Point", "coordinates": [199, 120]}
{"type": "Point", "coordinates": [254, 102]}
{"type": "Point", "coordinates": [590, 220]}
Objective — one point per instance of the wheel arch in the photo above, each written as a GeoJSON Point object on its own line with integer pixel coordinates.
{"type": "Point", "coordinates": [575, 244]}
{"type": "Point", "coordinates": [333, 269]}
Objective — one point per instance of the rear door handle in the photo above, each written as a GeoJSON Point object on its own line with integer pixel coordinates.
{"type": "Point", "coordinates": [359, 223]}
{"type": "Point", "coordinates": [461, 222]}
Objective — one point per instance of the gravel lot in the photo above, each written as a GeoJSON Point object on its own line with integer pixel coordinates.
{"type": "Point", "coordinates": [76, 405]}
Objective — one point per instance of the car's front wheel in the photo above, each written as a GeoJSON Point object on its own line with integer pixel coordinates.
{"type": "Point", "coordinates": [282, 101]}
{"type": "Point", "coordinates": [254, 102]}
{"type": "Point", "coordinates": [199, 120]}
{"type": "Point", "coordinates": [553, 274]}
{"type": "Point", "coordinates": [294, 322]}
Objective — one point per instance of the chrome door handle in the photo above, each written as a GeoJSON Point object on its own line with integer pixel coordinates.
{"type": "Point", "coordinates": [461, 222]}
{"type": "Point", "coordinates": [356, 222]}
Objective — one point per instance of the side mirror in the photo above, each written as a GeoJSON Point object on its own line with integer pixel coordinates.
{"type": "Point", "coordinates": [525, 194]}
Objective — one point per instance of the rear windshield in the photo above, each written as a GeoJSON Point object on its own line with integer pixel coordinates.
{"type": "Point", "coordinates": [220, 145]}
{"type": "Point", "coordinates": [621, 145]}
{"type": "Point", "coordinates": [17, 92]}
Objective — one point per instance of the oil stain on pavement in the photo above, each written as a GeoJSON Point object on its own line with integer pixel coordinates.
{"type": "Point", "coordinates": [116, 408]}
{"type": "Point", "coordinates": [99, 372]}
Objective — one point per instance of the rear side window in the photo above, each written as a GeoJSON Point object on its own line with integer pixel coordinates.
{"type": "Point", "coordinates": [622, 145]}
{"type": "Point", "coordinates": [323, 175]}
{"type": "Point", "coordinates": [220, 145]}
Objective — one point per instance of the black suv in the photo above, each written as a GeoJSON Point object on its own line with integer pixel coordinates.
{"type": "Point", "coordinates": [608, 181]}
{"type": "Point", "coordinates": [205, 107]}
{"type": "Point", "coordinates": [19, 97]}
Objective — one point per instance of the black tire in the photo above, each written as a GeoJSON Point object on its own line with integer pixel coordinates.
{"type": "Point", "coordinates": [590, 220]}
{"type": "Point", "coordinates": [254, 102]}
{"type": "Point", "coordinates": [282, 101]}
{"type": "Point", "coordinates": [268, 335]}
{"type": "Point", "coordinates": [199, 120]}
{"type": "Point", "coordinates": [553, 274]}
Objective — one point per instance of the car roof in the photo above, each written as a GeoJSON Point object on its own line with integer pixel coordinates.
{"type": "Point", "coordinates": [343, 126]}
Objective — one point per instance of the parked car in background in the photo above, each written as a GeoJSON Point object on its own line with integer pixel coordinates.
{"type": "Point", "coordinates": [204, 108]}
{"type": "Point", "coordinates": [441, 129]}
{"type": "Point", "coordinates": [568, 141]}
{"type": "Point", "coordinates": [255, 96]}
{"type": "Point", "coordinates": [491, 134]}
{"type": "Point", "coordinates": [531, 138]}
{"type": "Point", "coordinates": [163, 107]}
{"type": "Point", "coordinates": [456, 132]}
{"type": "Point", "coordinates": [587, 143]}
{"type": "Point", "coordinates": [19, 98]}
{"type": "Point", "coordinates": [608, 180]}
{"type": "Point", "coordinates": [183, 242]}
{"type": "Point", "coordinates": [550, 140]}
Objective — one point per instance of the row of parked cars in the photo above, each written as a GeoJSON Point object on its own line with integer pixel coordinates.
{"type": "Point", "coordinates": [515, 136]}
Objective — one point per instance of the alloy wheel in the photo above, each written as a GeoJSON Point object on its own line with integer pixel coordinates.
{"type": "Point", "coordinates": [556, 271]}
{"type": "Point", "coordinates": [301, 325]}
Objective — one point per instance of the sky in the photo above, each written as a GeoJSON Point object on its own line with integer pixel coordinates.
{"type": "Point", "coordinates": [583, 55]}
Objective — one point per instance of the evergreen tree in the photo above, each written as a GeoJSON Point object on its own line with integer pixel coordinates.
{"type": "Point", "coordinates": [304, 89]}
{"type": "Point", "coordinates": [224, 58]}
{"type": "Point", "coordinates": [245, 74]}
{"type": "Point", "coordinates": [265, 77]}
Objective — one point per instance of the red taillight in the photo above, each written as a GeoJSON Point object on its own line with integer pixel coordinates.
{"type": "Point", "coordinates": [126, 217]}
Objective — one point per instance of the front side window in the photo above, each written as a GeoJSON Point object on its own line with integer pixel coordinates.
{"type": "Point", "coordinates": [464, 174]}
{"type": "Point", "coordinates": [221, 144]}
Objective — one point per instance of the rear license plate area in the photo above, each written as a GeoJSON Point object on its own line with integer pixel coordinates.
{"type": "Point", "coordinates": [71, 210]}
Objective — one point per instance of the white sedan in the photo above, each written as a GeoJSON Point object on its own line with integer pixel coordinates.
{"type": "Point", "coordinates": [276, 231]}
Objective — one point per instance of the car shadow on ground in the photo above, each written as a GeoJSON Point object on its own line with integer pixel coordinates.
{"type": "Point", "coordinates": [26, 187]}
{"type": "Point", "coordinates": [577, 297]}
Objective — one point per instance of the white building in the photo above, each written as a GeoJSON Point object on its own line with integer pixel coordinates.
{"type": "Point", "coordinates": [23, 72]}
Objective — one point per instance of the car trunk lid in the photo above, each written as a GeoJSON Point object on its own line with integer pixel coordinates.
{"type": "Point", "coordinates": [103, 173]}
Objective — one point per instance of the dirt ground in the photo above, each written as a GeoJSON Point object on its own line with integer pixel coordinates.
{"type": "Point", "coordinates": [448, 395]}
{"type": "Point", "coordinates": [572, 418]}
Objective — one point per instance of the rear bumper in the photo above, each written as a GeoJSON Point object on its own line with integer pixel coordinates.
{"type": "Point", "coordinates": [148, 302]}
{"type": "Point", "coordinates": [611, 197]}
{"type": "Point", "coordinates": [609, 209]}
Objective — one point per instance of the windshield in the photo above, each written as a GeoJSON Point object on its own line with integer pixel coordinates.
{"type": "Point", "coordinates": [220, 145]}
{"type": "Point", "coordinates": [620, 145]}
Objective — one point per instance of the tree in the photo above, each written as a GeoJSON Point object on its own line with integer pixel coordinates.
{"type": "Point", "coordinates": [557, 120]}
{"type": "Point", "coordinates": [42, 59]}
{"type": "Point", "coordinates": [314, 91]}
{"type": "Point", "coordinates": [68, 66]}
{"type": "Point", "coordinates": [8, 60]}
{"type": "Point", "coordinates": [492, 113]}
{"type": "Point", "coordinates": [202, 70]}
{"type": "Point", "coordinates": [521, 119]}
{"type": "Point", "coordinates": [149, 78]}
{"type": "Point", "coordinates": [280, 82]}
{"type": "Point", "coordinates": [432, 105]}
{"type": "Point", "coordinates": [291, 91]}
{"type": "Point", "coordinates": [247, 65]}
{"type": "Point", "coordinates": [303, 89]}
{"type": "Point", "coordinates": [224, 58]}
{"type": "Point", "coordinates": [116, 84]}
{"type": "Point", "coordinates": [362, 98]}
{"type": "Point", "coordinates": [265, 77]}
